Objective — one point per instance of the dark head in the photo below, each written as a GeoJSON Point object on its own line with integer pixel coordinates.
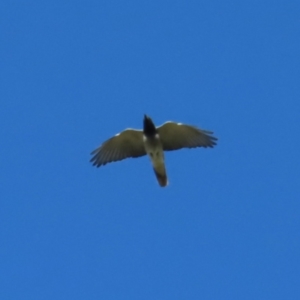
{"type": "Point", "coordinates": [149, 127]}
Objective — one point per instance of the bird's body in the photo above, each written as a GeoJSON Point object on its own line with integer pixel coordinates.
{"type": "Point", "coordinates": [152, 141]}
{"type": "Point", "coordinates": [154, 149]}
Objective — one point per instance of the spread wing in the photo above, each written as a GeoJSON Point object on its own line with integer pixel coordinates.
{"type": "Point", "coordinates": [128, 143]}
{"type": "Point", "coordinates": [176, 136]}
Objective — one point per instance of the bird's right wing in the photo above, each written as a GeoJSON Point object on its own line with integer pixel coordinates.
{"type": "Point", "coordinates": [128, 143]}
{"type": "Point", "coordinates": [176, 136]}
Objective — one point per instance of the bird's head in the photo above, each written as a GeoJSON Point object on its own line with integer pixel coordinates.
{"type": "Point", "coordinates": [149, 127]}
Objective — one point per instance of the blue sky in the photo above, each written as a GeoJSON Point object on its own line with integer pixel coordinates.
{"type": "Point", "coordinates": [74, 73]}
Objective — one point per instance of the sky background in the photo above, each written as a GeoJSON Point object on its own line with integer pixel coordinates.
{"type": "Point", "coordinates": [75, 73]}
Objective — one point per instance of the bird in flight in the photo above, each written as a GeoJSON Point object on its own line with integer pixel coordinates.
{"type": "Point", "coordinates": [152, 141]}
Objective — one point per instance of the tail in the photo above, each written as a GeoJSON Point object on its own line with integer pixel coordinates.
{"type": "Point", "coordinates": [161, 176]}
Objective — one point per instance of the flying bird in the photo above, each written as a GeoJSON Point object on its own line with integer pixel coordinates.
{"type": "Point", "coordinates": [152, 141]}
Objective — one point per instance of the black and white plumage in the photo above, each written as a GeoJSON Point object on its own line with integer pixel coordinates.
{"type": "Point", "coordinates": [152, 141]}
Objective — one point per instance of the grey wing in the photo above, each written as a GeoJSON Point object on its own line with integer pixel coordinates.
{"type": "Point", "coordinates": [128, 143]}
{"type": "Point", "coordinates": [176, 136]}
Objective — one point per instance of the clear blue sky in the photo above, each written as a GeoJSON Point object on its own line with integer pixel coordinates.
{"type": "Point", "coordinates": [74, 73]}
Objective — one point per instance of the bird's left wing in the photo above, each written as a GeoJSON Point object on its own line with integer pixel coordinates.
{"type": "Point", "coordinates": [128, 143]}
{"type": "Point", "coordinates": [176, 136]}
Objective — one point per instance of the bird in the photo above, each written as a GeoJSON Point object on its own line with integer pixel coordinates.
{"type": "Point", "coordinates": [152, 141]}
